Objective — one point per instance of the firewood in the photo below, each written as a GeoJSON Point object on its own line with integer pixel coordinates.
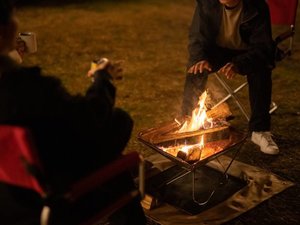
{"type": "Point", "coordinates": [212, 134]}
{"type": "Point", "coordinates": [151, 134]}
{"type": "Point", "coordinates": [196, 153]}
{"type": "Point", "coordinates": [167, 133]}
{"type": "Point", "coordinates": [221, 111]}
{"type": "Point", "coordinates": [182, 155]}
{"type": "Point", "coordinates": [209, 149]}
{"type": "Point", "coordinates": [149, 202]}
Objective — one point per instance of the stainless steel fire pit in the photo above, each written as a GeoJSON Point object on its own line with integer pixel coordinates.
{"type": "Point", "coordinates": [231, 139]}
{"type": "Point", "coordinates": [234, 139]}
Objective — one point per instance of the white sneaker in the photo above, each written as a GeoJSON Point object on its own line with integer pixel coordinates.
{"type": "Point", "coordinates": [265, 142]}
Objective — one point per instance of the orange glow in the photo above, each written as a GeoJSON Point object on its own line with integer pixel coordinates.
{"type": "Point", "coordinates": [184, 148]}
{"type": "Point", "coordinates": [199, 118]}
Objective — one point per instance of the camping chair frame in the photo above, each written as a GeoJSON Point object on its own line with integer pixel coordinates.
{"type": "Point", "coordinates": [17, 148]}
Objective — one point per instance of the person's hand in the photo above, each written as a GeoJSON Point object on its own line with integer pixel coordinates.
{"type": "Point", "coordinates": [20, 46]}
{"type": "Point", "coordinates": [229, 70]}
{"type": "Point", "coordinates": [200, 67]}
{"type": "Point", "coordinates": [113, 68]}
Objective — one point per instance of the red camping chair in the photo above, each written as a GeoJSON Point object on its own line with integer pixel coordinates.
{"type": "Point", "coordinates": [283, 12]}
{"type": "Point", "coordinates": [20, 168]}
{"type": "Point", "coordinates": [17, 150]}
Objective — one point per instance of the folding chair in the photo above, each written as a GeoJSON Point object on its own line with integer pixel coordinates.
{"type": "Point", "coordinates": [83, 202]}
{"type": "Point", "coordinates": [283, 12]}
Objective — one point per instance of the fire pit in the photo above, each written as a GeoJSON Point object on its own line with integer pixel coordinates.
{"type": "Point", "coordinates": [197, 156]}
{"type": "Point", "coordinates": [193, 141]}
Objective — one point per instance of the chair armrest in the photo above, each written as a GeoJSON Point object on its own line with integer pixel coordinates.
{"type": "Point", "coordinates": [118, 166]}
{"type": "Point", "coordinates": [67, 207]}
{"type": "Point", "coordinates": [280, 54]}
{"type": "Point", "coordinates": [280, 38]}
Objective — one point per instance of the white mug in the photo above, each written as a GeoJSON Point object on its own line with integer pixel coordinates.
{"type": "Point", "coordinates": [30, 40]}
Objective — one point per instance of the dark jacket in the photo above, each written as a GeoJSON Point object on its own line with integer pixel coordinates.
{"type": "Point", "coordinates": [255, 31]}
{"type": "Point", "coordinates": [73, 133]}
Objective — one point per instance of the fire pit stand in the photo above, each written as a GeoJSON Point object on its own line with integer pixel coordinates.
{"type": "Point", "coordinates": [235, 141]}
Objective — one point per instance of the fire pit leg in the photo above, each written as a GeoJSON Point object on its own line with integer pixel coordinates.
{"type": "Point", "coordinates": [193, 191]}
{"type": "Point", "coordinates": [178, 177]}
{"type": "Point", "coordinates": [222, 181]}
{"type": "Point", "coordinates": [174, 178]}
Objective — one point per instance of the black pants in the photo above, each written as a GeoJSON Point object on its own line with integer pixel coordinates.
{"type": "Point", "coordinates": [260, 89]}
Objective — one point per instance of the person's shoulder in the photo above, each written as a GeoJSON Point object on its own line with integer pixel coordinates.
{"type": "Point", "coordinates": [34, 76]}
{"type": "Point", "coordinates": [27, 75]}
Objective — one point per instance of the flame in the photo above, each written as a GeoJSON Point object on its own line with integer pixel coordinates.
{"type": "Point", "coordinates": [199, 118]}
{"type": "Point", "coordinates": [201, 144]}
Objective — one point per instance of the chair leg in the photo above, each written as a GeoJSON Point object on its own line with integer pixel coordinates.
{"type": "Point", "coordinates": [273, 107]}
{"type": "Point", "coordinates": [45, 215]}
{"type": "Point", "coordinates": [231, 94]}
{"type": "Point", "coordinates": [142, 177]}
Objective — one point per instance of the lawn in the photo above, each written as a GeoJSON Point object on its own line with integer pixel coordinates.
{"type": "Point", "coordinates": [150, 38]}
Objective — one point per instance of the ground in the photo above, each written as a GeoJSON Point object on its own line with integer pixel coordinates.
{"type": "Point", "coordinates": [150, 38]}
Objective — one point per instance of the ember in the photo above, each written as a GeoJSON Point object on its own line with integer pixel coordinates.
{"type": "Point", "coordinates": [186, 151]}
{"type": "Point", "coordinates": [193, 153]}
{"type": "Point", "coordinates": [198, 123]}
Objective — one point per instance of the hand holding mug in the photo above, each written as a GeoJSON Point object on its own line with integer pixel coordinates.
{"type": "Point", "coordinates": [114, 69]}
{"type": "Point", "coordinates": [29, 38]}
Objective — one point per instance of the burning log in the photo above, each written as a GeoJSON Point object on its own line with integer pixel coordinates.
{"type": "Point", "coordinates": [149, 202]}
{"type": "Point", "coordinates": [196, 152]}
{"type": "Point", "coordinates": [189, 138]}
{"type": "Point", "coordinates": [157, 136]}
{"type": "Point", "coordinates": [167, 133]}
{"type": "Point", "coordinates": [221, 111]}
{"type": "Point", "coordinates": [185, 137]}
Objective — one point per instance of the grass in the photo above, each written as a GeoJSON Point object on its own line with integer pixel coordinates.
{"type": "Point", "coordinates": [150, 37]}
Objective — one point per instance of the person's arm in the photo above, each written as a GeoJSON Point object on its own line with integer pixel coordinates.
{"type": "Point", "coordinates": [199, 40]}
{"type": "Point", "coordinates": [195, 46]}
{"type": "Point", "coordinates": [103, 73]}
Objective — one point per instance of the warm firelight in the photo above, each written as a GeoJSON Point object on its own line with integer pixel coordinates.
{"type": "Point", "coordinates": [199, 119]}
{"type": "Point", "coordinates": [186, 148]}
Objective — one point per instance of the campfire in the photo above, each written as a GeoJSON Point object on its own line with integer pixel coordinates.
{"type": "Point", "coordinates": [199, 118]}
{"type": "Point", "coordinates": [194, 138]}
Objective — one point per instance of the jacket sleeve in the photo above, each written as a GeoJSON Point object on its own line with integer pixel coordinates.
{"type": "Point", "coordinates": [102, 89]}
{"type": "Point", "coordinates": [198, 40]}
{"type": "Point", "coordinates": [92, 111]}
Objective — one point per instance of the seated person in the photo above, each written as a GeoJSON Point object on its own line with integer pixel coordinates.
{"type": "Point", "coordinates": [233, 37]}
{"type": "Point", "coordinates": [74, 134]}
